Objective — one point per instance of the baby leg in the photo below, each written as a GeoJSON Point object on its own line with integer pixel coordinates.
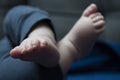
{"type": "Point", "coordinates": [39, 46]}
{"type": "Point", "coordinates": [81, 38]}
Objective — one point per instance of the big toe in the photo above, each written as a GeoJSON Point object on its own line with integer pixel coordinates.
{"type": "Point", "coordinates": [15, 53]}
{"type": "Point", "coordinates": [90, 10]}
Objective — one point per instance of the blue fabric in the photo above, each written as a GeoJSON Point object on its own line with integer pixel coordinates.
{"type": "Point", "coordinates": [95, 76]}
{"type": "Point", "coordinates": [103, 63]}
{"type": "Point", "coordinates": [17, 24]}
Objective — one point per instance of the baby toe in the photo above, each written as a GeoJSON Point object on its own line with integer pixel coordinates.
{"type": "Point", "coordinates": [44, 43]}
{"type": "Point", "coordinates": [99, 24]}
{"type": "Point", "coordinates": [90, 10]}
{"type": "Point", "coordinates": [97, 19]}
{"type": "Point", "coordinates": [34, 45]}
{"type": "Point", "coordinates": [94, 15]}
{"type": "Point", "coordinates": [15, 53]}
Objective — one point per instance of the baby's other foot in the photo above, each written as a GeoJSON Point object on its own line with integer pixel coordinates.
{"type": "Point", "coordinates": [37, 49]}
{"type": "Point", "coordinates": [81, 38]}
{"type": "Point", "coordinates": [85, 32]}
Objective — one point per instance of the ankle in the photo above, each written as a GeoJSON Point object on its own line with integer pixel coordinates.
{"type": "Point", "coordinates": [73, 51]}
{"type": "Point", "coordinates": [44, 32]}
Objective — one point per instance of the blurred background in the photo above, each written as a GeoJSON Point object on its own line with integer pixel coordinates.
{"type": "Point", "coordinates": [64, 13]}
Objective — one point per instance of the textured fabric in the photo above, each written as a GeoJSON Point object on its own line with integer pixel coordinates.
{"type": "Point", "coordinates": [19, 21]}
{"type": "Point", "coordinates": [5, 5]}
{"type": "Point", "coordinates": [17, 25]}
{"type": "Point", "coordinates": [103, 63]}
{"type": "Point", "coordinates": [96, 76]}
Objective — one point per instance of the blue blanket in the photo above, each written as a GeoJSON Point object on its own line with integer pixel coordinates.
{"type": "Point", "coordinates": [103, 63]}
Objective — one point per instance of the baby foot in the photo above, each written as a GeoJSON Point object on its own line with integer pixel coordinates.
{"type": "Point", "coordinates": [38, 49]}
{"type": "Point", "coordinates": [81, 38]}
{"type": "Point", "coordinates": [87, 29]}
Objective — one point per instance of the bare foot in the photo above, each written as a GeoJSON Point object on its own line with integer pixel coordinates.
{"type": "Point", "coordinates": [87, 29]}
{"type": "Point", "coordinates": [79, 41]}
{"type": "Point", "coordinates": [40, 49]}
